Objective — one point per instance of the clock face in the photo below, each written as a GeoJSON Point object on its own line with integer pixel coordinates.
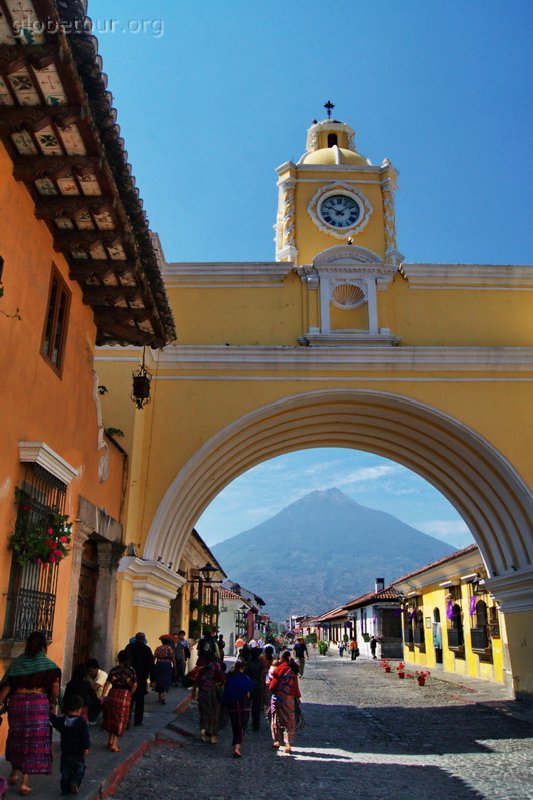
{"type": "Point", "coordinates": [340, 211]}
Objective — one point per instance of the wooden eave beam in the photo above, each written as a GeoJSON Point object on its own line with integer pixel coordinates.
{"type": "Point", "coordinates": [38, 55]}
{"type": "Point", "coordinates": [68, 239]}
{"type": "Point", "coordinates": [125, 334]}
{"type": "Point", "coordinates": [104, 314]}
{"type": "Point", "coordinates": [96, 296]}
{"type": "Point", "coordinates": [52, 207]}
{"type": "Point", "coordinates": [28, 168]}
{"type": "Point", "coordinates": [81, 269]}
{"type": "Point", "coordinates": [34, 116]}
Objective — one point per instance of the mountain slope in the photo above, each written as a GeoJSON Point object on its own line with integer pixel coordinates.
{"type": "Point", "coordinates": [321, 551]}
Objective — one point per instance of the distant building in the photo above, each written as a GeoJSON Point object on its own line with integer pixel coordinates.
{"type": "Point", "coordinates": [377, 613]}
{"type": "Point", "coordinates": [256, 624]}
{"type": "Point", "coordinates": [232, 620]}
{"type": "Point", "coordinates": [196, 605]}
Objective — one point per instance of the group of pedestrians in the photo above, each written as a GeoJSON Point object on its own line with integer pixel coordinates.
{"type": "Point", "coordinates": [256, 683]}
{"type": "Point", "coordinates": [353, 648]}
{"type": "Point", "coordinates": [30, 694]}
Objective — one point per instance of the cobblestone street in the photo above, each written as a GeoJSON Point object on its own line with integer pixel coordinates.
{"type": "Point", "coordinates": [367, 734]}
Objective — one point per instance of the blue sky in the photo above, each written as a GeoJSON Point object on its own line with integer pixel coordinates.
{"type": "Point", "coordinates": [368, 479]}
{"type": "Point", "coordinates": [213, 95]}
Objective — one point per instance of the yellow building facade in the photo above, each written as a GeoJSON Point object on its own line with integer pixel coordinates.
{"type": "Point", "coordinates": [452, 621]}
{"type": "Point", "coordinates": [338, 342]}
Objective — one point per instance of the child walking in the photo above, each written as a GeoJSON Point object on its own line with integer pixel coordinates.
{"type": "Point", "coordinates": [75, 743]}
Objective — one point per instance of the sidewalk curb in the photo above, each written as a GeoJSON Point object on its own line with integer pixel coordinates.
{"type": "Point", "coordinates": [111, 783]}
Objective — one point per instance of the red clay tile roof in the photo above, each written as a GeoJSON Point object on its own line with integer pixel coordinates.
{"type": "Point", "coordinates": [340, 611]}
{"type": "Point", "coordinates": [227, 594]}
{"type": "Point", "coordinates": [458, 553]}
{"type": "Point", "coordinates": [388, 593]}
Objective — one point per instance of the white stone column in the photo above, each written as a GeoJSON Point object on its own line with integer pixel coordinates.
{"type": "Point", "coordinates": [371, 295]}
{"type": "Point", "coordinates": [325, 292]}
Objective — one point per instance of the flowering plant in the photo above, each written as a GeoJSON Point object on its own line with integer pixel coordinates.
{"type": "Point", "coordinates": [400, 667]}
{"type": "Point", "coordinates": [39, 538]}
{"type": "Point", "coordinates": [384, 663]}
{"type": "Point", "coordinates": [423, 673]}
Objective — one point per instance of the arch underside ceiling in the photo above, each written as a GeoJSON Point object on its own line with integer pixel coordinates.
{"type": "Point", "coordinates": [484, 488]}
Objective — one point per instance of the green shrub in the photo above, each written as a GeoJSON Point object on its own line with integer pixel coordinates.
{"type": "Point", "coordinates": [323, 647]}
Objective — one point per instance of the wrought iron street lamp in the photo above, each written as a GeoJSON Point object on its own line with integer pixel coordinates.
{"type": "Point", "coordinates": [207, 572]}
{"type": "Point", "coordinates": [140, 393]}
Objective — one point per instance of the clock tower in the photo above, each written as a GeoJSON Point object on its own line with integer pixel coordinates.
{"type": "Point", "coordinates": [336, 223]}
{"type": "Point", "coordinates": [335, 195]}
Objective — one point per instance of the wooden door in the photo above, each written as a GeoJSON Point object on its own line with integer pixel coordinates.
{"type": "Point", "coordinates": [83, 642]}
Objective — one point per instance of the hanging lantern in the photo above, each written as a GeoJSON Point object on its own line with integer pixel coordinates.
{"type": "Point", "coordinates": [140, 393]}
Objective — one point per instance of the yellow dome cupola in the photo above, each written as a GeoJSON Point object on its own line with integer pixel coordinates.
{"type": "Point", "coordinates": [331, 142]}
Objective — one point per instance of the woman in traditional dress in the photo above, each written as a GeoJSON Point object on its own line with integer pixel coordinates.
{"type": "Point", "coordinates": [31, 688]}
{"type": "Point", "coordinates": [164, 667]}
{"type": "Point", "coordinates": [237, 699]}
{"type": "Point", "coordinates": [118, 689]}
{"type": "Point", "coordinates": [284, 691]}
{"type": "Point", "coordinates": [209, 682]}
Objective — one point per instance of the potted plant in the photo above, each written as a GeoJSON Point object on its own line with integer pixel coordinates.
{"type": "Point", "coordinates": [385, 664]}
{"type": "Point", "coordinates": [323, 647]}
{"type": "Point", "coordinates": [400, 669]}
{"type": "Point", "coordinates": [41, 538]}
{"type": "Point", "coordinates": [421, 676]}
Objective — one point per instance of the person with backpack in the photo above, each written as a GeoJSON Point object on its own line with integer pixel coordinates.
{"type": "Point", "coordinates": [142, 661]}
{"type": "Point", "coordinates": [207, 648]}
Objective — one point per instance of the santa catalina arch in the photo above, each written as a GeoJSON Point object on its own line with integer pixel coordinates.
{"type": "Point", "coordinates": [337, 342]}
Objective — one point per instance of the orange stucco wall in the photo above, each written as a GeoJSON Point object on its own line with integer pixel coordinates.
{"type": "Point", "coordinates": [37, 404]}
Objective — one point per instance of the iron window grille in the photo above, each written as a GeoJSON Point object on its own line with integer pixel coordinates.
{"type": "Point", "coordinates": [32, 589]}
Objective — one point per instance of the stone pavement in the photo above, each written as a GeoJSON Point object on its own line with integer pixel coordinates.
{"type": "Point", "coordinates": [367, 734]}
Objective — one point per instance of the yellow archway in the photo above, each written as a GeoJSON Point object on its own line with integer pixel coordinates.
{"type": "Point", "coordinates": [482, 485]}
{"type": "Point", "coordinates": [425, 364]}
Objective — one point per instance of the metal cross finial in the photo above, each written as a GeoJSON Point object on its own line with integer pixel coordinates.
{"type": "Point", "coordinates": [329, 106]}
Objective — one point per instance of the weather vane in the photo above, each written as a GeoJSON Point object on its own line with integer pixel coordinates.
{"type": "Point", "coordinates": [329, 106]}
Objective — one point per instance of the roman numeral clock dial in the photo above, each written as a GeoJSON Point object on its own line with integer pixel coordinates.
{"type": "Point", "coordinates": [340, 211]}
